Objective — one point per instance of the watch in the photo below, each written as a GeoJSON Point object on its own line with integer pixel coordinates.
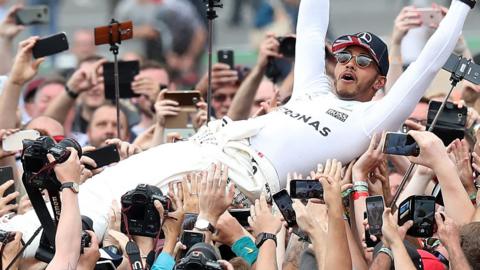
{"type": "Point", "coordinates": [203, 225]}
{"type": "Point", "coordinates": [262, 237]}
{"type": "Point", "coordinates": [70, 93]}
{"type": "Point", "coordinates": [71, 185]}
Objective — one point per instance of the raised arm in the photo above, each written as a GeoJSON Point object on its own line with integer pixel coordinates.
{"type": "Point", "coordinates": [389, 112]}
{"type": "Point", "coordinates": [310, 50]}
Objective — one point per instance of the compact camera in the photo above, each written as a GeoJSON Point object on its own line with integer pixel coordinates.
{"type": "Point", "coordinates": [420, 209]}
{"type": "Point", "coordinates": [142, 216]}
{"type": "Point", "coordinates": [200, 256]}
{"type": "Point", "coordinates": [287, 46]}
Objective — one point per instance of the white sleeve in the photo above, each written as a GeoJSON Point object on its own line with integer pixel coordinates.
{"type": "Point", "coordinates": [310, 49]}
{"type": "Point", "coordinates": [391, 111]}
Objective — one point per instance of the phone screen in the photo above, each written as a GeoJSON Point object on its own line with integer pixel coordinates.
{"type": "Point", "coordinates": [6, 174]}
{"type": "Point", "coordinates": [423, 216]}
{"type": "Point", "coordinates": [400, 144]}
{"type": "Point", "coordinates": [375, 207]}
{"type": "Point", "coordinates": [284, 203]}
{"type": "Point", "coordinates": [190, 238]}
{"type": "Point", "coordinates": [241, 215]}
{"type": "Point", "coordinates": [306, 189]}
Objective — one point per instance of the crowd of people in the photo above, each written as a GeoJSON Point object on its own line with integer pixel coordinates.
{"type": "Point", "coordinates": [222, 198]}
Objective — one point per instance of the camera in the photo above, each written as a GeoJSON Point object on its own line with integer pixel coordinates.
{"type": "Point", "coordinates": [142, 216]}
{"type": "Point", "coordinates": [200, 256]}
{"type": "Point", "coordinates": [287, 46]}
{"type": "Point", "coordinates": [6, 237]}
{"type": "Point", "coordinates": [451, 122]}
{"type": "Point", "coordinates": [420, 209]}
{"type": "Point", "coordinates": [34, 157]}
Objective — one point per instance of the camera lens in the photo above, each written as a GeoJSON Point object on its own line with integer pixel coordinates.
{"type": "Point", "coordinates": [206, 250]}
{"type": "Point", "coordinates": [71, 143]}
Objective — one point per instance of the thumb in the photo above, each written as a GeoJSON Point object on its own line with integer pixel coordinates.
{"type": "Point", "coordinates": [36, 63]}
{"type": "Point", "coordinates": [50, 158]}
{"type": "Point", "coordinates": [159, 207]}
{"type": "Point", "coordinates": [408, 225]}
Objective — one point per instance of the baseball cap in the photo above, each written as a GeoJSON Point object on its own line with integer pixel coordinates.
{"type": "Point", "coordinates": [430, 262]}
{"type": "Point", "coordinates": [377, 48]}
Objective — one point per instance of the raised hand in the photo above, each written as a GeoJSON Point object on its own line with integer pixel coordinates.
{"type": "Point", "coordinates": [262, 219]}
{"type": "Point", "coordinates": [407, 19]}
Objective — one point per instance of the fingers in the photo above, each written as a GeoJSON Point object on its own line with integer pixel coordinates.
{"type": "Point", "coordinates": [159, 208]}
{"type": "Point", "coordinates": [5, 186]}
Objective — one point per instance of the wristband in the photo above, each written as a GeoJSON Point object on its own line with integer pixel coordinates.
{"type": "Point", "coordinates": [473, 198]}
{"type": "Point", "coordinates": [359, 194]}
{"type": "Point", "coordinates": [360, 188]}
{"type": "Point", "coordinates": [360, 183]}
{"type": "Point", "coordinates": [470, 3]}
{"type": "Point", "coordinates": [70, 93]}
{"type": "Point", "coordinates": [387, 251]}
{"type": "Point", "coordinates": [347, 192]}
{"type": "Point", "coordinates": [246, 248]}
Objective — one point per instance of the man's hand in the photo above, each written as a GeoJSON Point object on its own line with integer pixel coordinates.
{"type": "Point", "coordinates": [312, 219]}
{"type": "Point", "coordinates": [3, 134]}
{"type": "Point", "coordinates": [214, 198]}
{"type": "Point", "coordinates": [24, 205]}
{"type": "Point", "coordinates": [461, 152]}
{"type": "Point", "coordinates": [144, 85]}
{"type": "Point", "coordinates": [172, 225]}
{"type": "Point", "coordinates": [8, 28]}
{"type": "Point", "coordinates": [70, 170]}
{"type": "Point", "coordinates": [392, 233]}
{"type": "Point", "coordinates": [165, 108]}
{"type": "Point", "coordinates": [83, 78]}
{"type": "Point", "coordinates": [4, 206]}
{"type": "Point", "coordinates": [407, 19]}
{"type": "Point", "coordinates": [432, 151]}
{"type": "Point", "coordinates": [369, 160]}
{"type": "Point", "coordinates": [10, 251]}
{"type": "Point", "coordinates": [90, 254]}
{"type": "Point", "coordinates": [125, 149]}
{"type": "Point", "coordinates": [229, 230]}
{"type": "Point", "coordinates": [447, 230]}
{"type": "Point", "coordinates": [84, 160]}
{"type": "Point", "coordinates": [262, 219]}
{"type": "Point", "coordinates": [200, 117]}
{"type": "Point", "coordinates": [25, 67]}
{"type": "Point", "coordinates": [268, 49]}
{"type": "Point", "coordinates": [330, 179]}
{"type": "Point", "coordinates": [221, 75]}
{"type": "Point", "coordinates": [189, 190]}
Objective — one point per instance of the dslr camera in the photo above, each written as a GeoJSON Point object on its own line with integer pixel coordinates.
{"type": "Point", "coordinates": [420, 209]}
{"type": "Point", "coordinates": [287, 46]}
{"type": "Point", "coordinates": [34, 158]}
{"type": "Point", "coordinates": [142, 216]}
{"type": "Point", "coordinates": [200, 256]}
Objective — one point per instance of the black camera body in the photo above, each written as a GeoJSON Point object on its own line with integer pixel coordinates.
{"type": "Point", "coordinates": [6, 237]}
{"type": "Point", "coordinates": [420, 209]}
{"type": "Point", "coordinates": [287, 46]}
{"type": "Point", "coordinates": [142, 216]}
{"type": "Point", "coordinates": [200, 256]}
{"type": "Point", "coordinates": [34, 158]}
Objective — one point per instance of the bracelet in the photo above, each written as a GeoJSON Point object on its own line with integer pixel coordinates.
{"type": "Point", "coordinates": [347, 192]}
{"type": "Point", "coordinates": [387, 251]}
{"type": "Point", "coordinates": [360, 183]}
{"type": "Point", "coordinates": [360, 188]}
{"type": "Point", "coordinates": [359, 194]}
{"type": "Point", "coordinates": [70, 93]}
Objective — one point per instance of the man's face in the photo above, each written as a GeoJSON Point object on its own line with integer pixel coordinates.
{"type": "Point", "coordinates": [222, 100]}
{"type": "Point", "coordinates": [103, 126]}
{"type": "Point", "coordinates": [95, 96]}
{"type": "Point", "coordinates": [353, 82]}
{"type": "Point", "coordinates": [44, 96]}
{"type": "Point", "coordinates": [160, 77]}
{"type": "Point", "coordinates": [419, 115]}
{"type": "Point", "coordinates": [83, 44]}
{"type": "Point", "coordinates": [265, 92]}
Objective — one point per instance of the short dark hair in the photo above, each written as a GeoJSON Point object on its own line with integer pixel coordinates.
{"type": "Point", "coordinates": [470, 243]}
{"type": "Point", "coordinates": [152, 64]}
{"type": "Point", "coordinates": [52, 79]}
{"type": "Point", "coordinates": [92, 58]}
{"type": "Point", "coordinates": [109, 104]}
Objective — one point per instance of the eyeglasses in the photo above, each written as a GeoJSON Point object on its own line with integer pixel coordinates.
{"type": "Point", "coordinates": [362, 61]}
{"type": "Point", "coordinates": [222, 97]}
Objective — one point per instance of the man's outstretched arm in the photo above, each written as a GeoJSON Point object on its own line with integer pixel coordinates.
{"type": "Point", "coordinates": [310, 50]}
{"type": "Point", "coordinates": [394, 108]}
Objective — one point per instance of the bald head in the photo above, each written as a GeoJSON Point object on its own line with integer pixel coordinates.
{"type": "Point", "coordinates": [47, 126]}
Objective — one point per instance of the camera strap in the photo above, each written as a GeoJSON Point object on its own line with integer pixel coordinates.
{"type": "Point", "coordinates": [39, 229]}
{"type": "Point", "coordinates": [134, 256]}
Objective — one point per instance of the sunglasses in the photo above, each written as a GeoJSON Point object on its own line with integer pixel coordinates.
{"type": "Point", "coordinates": [222, 97]}
{"type": "Point", "coordinates": [362, 60]}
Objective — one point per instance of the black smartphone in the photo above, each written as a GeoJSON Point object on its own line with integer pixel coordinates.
{"type": "Point", "coordinates": [420, 209]}
{"type": "Point", "coordinates": [451, 122]}
{"type": "Point", "coordinates": [32, 15]}
{"type": "Point", "coordinates": [368, 241]}
{"type": "Point", "coordinates": [284, 203]}
{"type": "Point", "coordinates": [127, 70]}
{"type": "Point", "coordinates": [463, 67]}
{"type": "Point", "coordinates": [400, 144]}
{"type": "Point", "coordinates": [306, 189]}
{"type": "Point", "coordinates": [375, 207]}
{"type": "Point", "coordinates": [103, 156]}
{"type": "Point", "coordinates": [6, 174]}
{"type": "Point", "coordinates": [226, 57]}
{"type": "Point", "coordinates": [190, 238]}
{"type": "Point", "coordinates": [50, 45]}
{"type": "Point", "coordinates": [184, 97]}
{"type": "Point", "coordinates": [241, 215]}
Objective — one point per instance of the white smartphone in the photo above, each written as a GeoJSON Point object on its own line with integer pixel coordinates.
{"type": "Point", "coordinates": [430, 16]}
{"type": "Point", "coordinates": [14, 141]}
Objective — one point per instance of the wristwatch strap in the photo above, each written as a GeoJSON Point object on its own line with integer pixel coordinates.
{"type": "Point", "coordinates": [470, 3]}
{"type": "Point", "coordinates": [70, 185]}
{"type": "Point", "coordinates": [387, 251]}
{"type": "Point", "coordinates": [262, 237]}
{"type": "Point", "coordinates": [70, 93]}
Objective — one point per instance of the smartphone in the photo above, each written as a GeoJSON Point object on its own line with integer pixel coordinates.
{"type": "Point", "coordinates": [184, 98]}
{"type": "Point", "coordinates": [375, 207]}
{"type": "Point", "coordinates": [226, 57]}
{"type": "Point", "coordinates": [32, 15]}
{"type": "Point", "coordinates": [284, 203]}
{"type": "Point", "coordinates": [463, 67]}
{"type": "Point", "coordinates": [400, 144]}
{"type": "Point", "coordinates": [50, 45]}
{"type": "Point", "coordinates": [103, 156]}
{"type": "Point", "coordinates": [430, 16]}
{"type": "Point", "coordinates": [114, 33]}
{"type": "Point", "coordinates": [14, 142]}
{"type": "Point", "coordinates": [420, 209]}
{"type": "Point", "coordinates": [6, 174]}
{"type": "Point", "coordinates": [190, 238]}
{"type": "Point", "coordinates": [127, 70]}
{"type": "Point", "coordinates": [306, 189]}
{"type": "Point", "coordinates": [368, 241]}
{"type": "Point", "coordinates": [451, 122]}
{"type": "Point", "coordinates": [241, 215]}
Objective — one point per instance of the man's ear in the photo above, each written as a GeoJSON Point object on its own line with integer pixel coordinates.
{"type": "Point", "coordinates": [379, 83]}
